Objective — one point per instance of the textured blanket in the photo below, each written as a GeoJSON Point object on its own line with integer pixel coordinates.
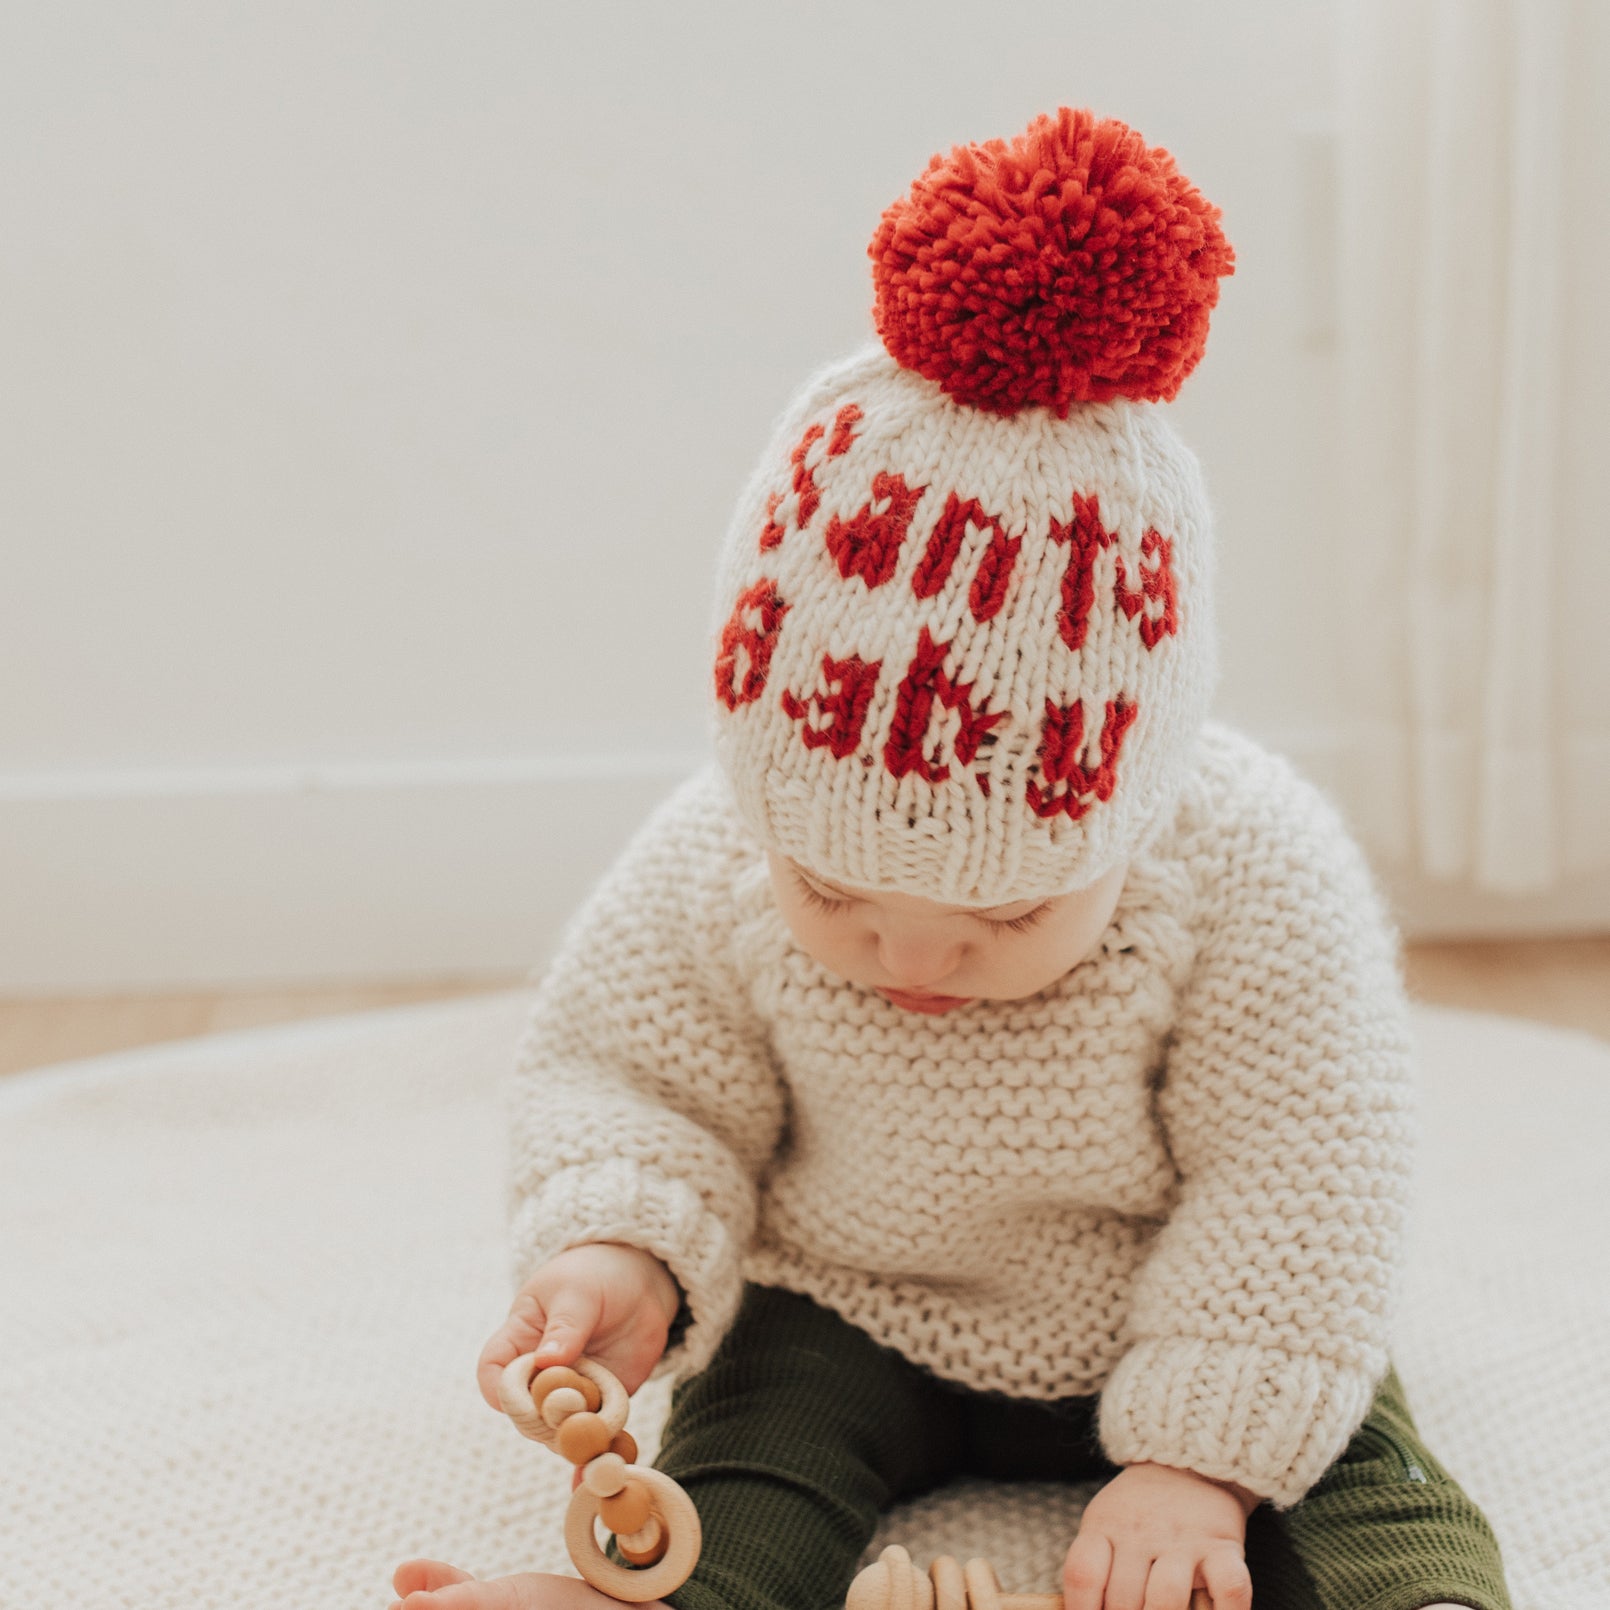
{"type": "Point", "coordinates": [243, 1283]}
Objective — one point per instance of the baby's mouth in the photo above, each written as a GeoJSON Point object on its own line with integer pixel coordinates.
{"type": "Point", "coordinates": [924, 1001]}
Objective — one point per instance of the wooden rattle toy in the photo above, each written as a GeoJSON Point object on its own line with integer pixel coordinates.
{"type": "Point", "coordinates": [580, 1412]}
{"type": "Point", "coordinates": [892, 1582]}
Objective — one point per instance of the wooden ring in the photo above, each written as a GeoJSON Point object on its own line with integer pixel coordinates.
{"type": "Point", "coordinates": [616, 1405]}
{"type": "Point", "coordinates": [514, 1394]}
{"type": "Point", "coordinates": [676, 1514]}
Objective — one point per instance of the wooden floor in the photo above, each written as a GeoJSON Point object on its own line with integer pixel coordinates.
{"type": "Point", "coordinates": [42, 1029]}
{"type": "Point", "coordinates": [1565, 981]}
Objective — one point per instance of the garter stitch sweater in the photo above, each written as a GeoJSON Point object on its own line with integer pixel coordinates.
{"type": "Point", "coordinates": [1177, 1178]}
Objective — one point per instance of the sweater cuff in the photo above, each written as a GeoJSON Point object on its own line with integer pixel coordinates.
{"type": "Point", "coordinates": [622, 1201]}
{"type": "Point", "coordinates": [1270, 1421]}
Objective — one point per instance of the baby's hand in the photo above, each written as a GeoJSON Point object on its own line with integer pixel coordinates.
{"type": "Point", "coordinates": [612, 1302]}
{"type": "Point", "coordinates": [1151, 1535]}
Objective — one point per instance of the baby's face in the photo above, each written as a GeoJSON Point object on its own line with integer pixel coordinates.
{"type": "Point", "coordinates": [931, 958]}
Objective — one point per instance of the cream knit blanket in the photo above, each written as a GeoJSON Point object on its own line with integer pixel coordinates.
{"type": "Point", "coordinates": [245, 1281]}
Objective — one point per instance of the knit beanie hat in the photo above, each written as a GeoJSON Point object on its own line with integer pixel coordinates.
{"type": "Point", "coordinates": [965, 638]}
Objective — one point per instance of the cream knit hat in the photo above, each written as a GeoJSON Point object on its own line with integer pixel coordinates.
{"type": "Point", "coordinates": [966, 637]}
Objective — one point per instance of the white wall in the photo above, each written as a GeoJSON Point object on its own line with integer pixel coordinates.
{"type": "Point", "coordinates": [375, 380]}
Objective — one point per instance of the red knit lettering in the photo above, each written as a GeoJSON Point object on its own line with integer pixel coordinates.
{"type": "Point", "coordinates": [808, 498]}
{"type": "Point", "coordinates": [772, 533]}
{"type": "Point", "coordinates": [988, 591]}
{"type": "Point", "coordinates": [868, 544]}
{"type": "Point", "coordinates": [841, 708]}
{"type": "Point", "coordinates": [804, 480]}
{"type": "Point", "coordinates": [925, 684]}
{"type": "Point", "coordinates": [1070, 787]}
{"type": "Point", "coordinates": [1157, 584]}
{"type": "Point", "coordinates": [844, 423]}
{"type": "Point", "coordinates": [755, 639]}
{"type": "Point", "coordinates": [1085, 536]}
{"type": "Point", "coordinates": [944, 543]}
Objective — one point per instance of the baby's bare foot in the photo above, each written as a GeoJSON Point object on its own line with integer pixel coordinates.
{"type": "Point", "coordinates": [420, 1576]}
{"type": "Point", "coordinates": [431, 1585]}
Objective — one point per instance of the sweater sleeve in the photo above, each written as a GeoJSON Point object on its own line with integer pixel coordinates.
{"type": "Point", "coordinates": [645, 1101]}
{"type": "Point", "coordinates": [1260, 1321]}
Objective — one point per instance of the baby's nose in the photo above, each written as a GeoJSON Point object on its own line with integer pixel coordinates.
{"type": "Point", "coordinates": [914, 959]}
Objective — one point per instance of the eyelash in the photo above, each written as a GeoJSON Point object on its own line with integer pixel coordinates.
{"type": "Point", "coordinates": [815, 897]}
{"type": "Point", "coordinates": [1021, 925]}
{"type": "Point", "coordinates": [1018, 925]}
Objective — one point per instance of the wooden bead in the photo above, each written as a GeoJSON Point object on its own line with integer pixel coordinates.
{"type": "Point", "coordinates": [646, 1546]}
{"type": "Point", "coordinates": [582, 1437]}
{"type": "Point", "coordinates": [625, 1445]}
{"type": "Point", "coordinates": [605, 1476]}
{"type": "Point", "coordinates": [628, 1510]}
{"type": "Point", "coordinates": [560, 1404]}
{"type": "Point", "coordinates": [557, 1375]}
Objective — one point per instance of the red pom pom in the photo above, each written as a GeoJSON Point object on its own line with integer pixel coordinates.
{"type": "Point", "coordinates": [1071, 264]}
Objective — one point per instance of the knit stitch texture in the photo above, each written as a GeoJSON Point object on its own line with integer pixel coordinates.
{"type": "Point", "coordinates": [1177, 1178]}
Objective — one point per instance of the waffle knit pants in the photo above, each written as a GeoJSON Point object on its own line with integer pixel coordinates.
{"type": "Point", "coordinates": [803, 1429]}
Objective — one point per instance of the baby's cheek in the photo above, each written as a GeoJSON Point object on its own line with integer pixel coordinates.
{"type": "Point", "coordinates": [830, 941]}
{"type": "Point", "coordinates": [1036, 961]}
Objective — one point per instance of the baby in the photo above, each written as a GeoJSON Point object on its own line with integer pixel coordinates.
{"type": "Point", "coordinates": [991, 1065]}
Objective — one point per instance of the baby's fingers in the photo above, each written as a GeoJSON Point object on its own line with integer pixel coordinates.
{"type": "Point", "coordinates": [1168, 1587]}
{"type": "Point", "coordinates": [1229, 1583]}
{"type": "Point", "coordinates": [571, 1318]}
{"type": "Point", "coordinates": [1085, 1571]}
{"type": "Point", "coordinates": [518, 1334]}
{"type": "Point", "coordinates": [1126, 1581]}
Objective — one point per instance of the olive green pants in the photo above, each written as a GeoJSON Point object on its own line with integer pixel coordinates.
{"type": "Point", "coordinates": [803, 1429]}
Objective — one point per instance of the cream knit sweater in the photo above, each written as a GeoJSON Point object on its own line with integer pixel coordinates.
{"type": "Point", "coordinates": [1176, 1178]}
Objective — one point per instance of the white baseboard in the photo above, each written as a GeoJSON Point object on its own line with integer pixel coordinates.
{"type": "Point", "coordinates": [172, 879]}
{"type": "Point", "coordinates": [281, 875]}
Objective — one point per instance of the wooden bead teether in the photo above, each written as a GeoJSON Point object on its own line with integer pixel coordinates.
{"type": "Point", "coordinates": [580, 1413]}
